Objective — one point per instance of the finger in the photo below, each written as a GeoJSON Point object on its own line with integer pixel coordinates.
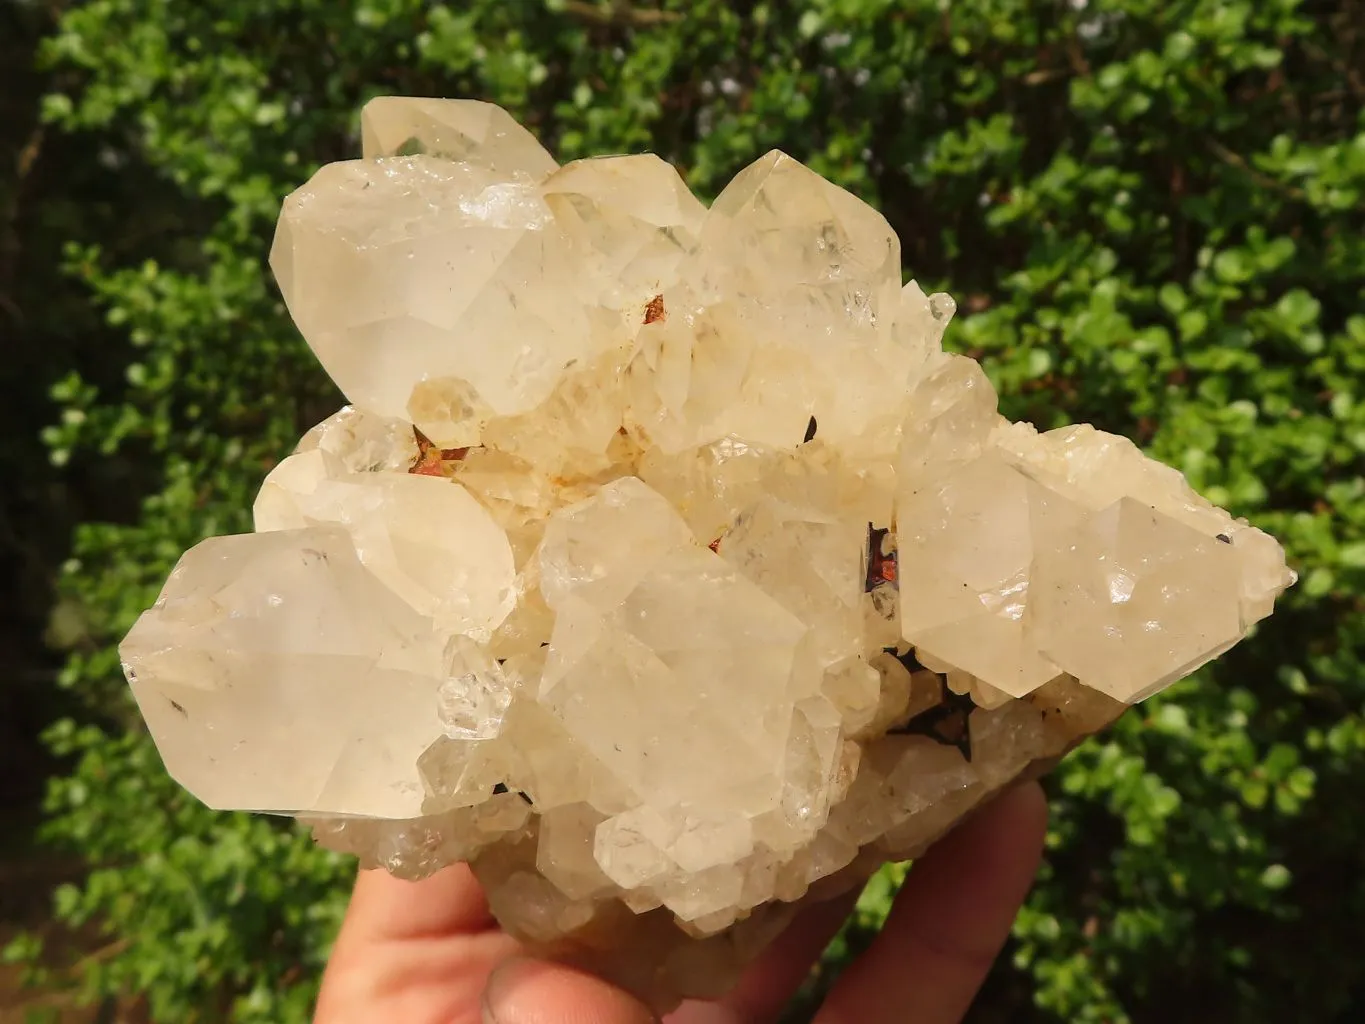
{"type": "Point", "coordinates": [384, 908]}
{"type": "Point", "coordinates": [769, 983]}
{"type": "Point", "coordinates": [534, 992]}
{"type": "Point", "coordinates": [421, 950]}
{"type": "Point", "coordinates": [949, 921]}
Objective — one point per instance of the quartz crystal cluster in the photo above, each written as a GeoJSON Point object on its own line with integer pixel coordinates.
{"type": "Point", "coordinates": [664, 566]}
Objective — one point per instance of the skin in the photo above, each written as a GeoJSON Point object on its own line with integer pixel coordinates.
{"type": "Point", "coordinates": [429, 952]}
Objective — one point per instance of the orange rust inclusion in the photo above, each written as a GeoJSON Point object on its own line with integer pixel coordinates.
{"type": "Point", "coordinates": [654, 312]}
{"type": "Point", "coordinates": [433, 461]}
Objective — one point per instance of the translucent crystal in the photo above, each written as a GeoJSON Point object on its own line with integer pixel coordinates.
{"type": "Point", "coordinates": [647, 619]}
{"type": "Point", "coordinates": [459, 130]}
{"type": "Point", "coordinates": [664, 567]}
{"type": "Point", "coordinates": [426, 537]}
{"type": "Point", "coordinates": [278, 674]}
{"type": "Point", "coordinates": [407, 269]}
{"type": "Point", "coordinates": [965, 552]}
{"type": "Point", "coordinates": [474, 696]}
{"type": "Point", "coordinates": [1133, 600]}
{"type": "Point", "coordinates": [633, 218]}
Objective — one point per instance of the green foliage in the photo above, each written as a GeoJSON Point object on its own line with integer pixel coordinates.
{"type": "Point", "coordinates": [1151, 216]}
{"type": "Point", "coordinates": [225, 912]}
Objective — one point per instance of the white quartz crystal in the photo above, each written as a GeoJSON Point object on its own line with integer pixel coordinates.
{"type": "Point", "coordinates": [663, 566]}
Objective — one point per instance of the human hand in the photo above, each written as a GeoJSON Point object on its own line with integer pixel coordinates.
{"type": "Point", "coordinates": [429, 952]}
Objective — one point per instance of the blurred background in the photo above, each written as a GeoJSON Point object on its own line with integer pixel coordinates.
{"type": "Point", "coordinates": [1151, 213]}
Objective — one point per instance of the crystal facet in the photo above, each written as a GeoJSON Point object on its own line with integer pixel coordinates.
{"type": "Point", "coordinates": [664, 567]}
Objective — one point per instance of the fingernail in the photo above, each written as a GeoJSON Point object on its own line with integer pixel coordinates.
{"type": "Point", "coordinates": [523, 991]}
{"type": "Point", "coordinates": [502, 981]}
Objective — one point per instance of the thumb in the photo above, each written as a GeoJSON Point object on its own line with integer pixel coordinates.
{"type": "Point", "coordinates": [522, 991]}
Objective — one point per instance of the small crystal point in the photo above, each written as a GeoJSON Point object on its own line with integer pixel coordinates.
{"type": "Point", "coordinates": [634, 221]}
{"type": "Point", "coordinates": [466, 131]}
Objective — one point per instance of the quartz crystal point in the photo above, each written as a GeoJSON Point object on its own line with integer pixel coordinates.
{"type": "Point", "coordinates": [664, 567]}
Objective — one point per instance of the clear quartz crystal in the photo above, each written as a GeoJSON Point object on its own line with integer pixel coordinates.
{"type": "Point", "coordinates": [663, 566]}
{"type": "Point", "coordinates": [474, 697]}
